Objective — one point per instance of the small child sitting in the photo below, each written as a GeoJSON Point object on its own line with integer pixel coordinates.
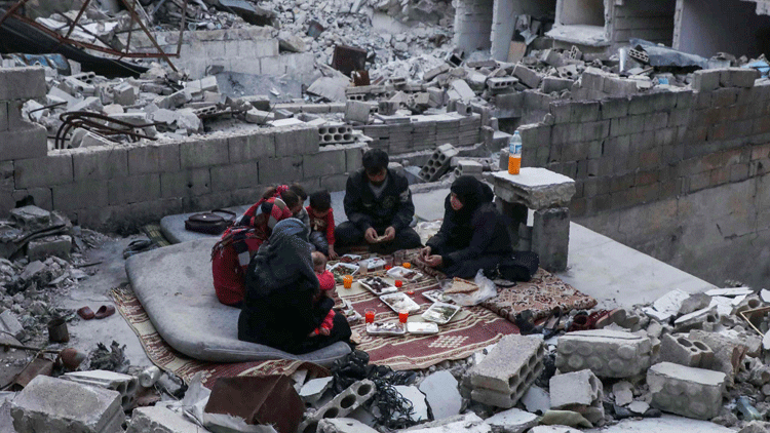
{"type": "Point", "coordinates": [327, 285]}
{"type": "Point", "coordinates": [322, 223]}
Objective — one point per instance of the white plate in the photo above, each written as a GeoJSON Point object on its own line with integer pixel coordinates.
{"type": "Point", "coordinates": [440, 313]}
{"type": "Point", "coordinates": [436, 295]}
{"type": "Point", "coordinates": [385, 328]}
{"type": "Point", "coordinates": [399, 302]}
{"type": "Point", "coordinates": [378, 292]}
{"type": "Point", "coordinates": [400, 272]}
{"type": "Point", "coordinates": [421, 328]}
{"type": "Point", "coordinates": [373, 263]}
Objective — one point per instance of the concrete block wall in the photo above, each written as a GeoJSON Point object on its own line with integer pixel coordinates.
{"type": "Point", "coordinates": [123, 187]}
{"type": "Point", "coordinates": [473, 24]}
{"type": "Point", "coordinates": [649, 147]}
{"type": "Point", "coordinates": [652, 21]}
{"type": "Point", "coordinates": [424, 133]}
{"type": "Point", "coordinates": [659, 178]}
{"type": "Point", "coordinates": [250, 50]}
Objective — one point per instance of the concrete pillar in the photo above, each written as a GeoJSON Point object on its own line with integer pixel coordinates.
{"type": "Point", "coordinates": [550, 238]}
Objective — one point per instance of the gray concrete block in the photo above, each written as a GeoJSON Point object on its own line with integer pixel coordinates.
{"type": "Point", "coordinates": [727, 347]}
{"type": "Point", "coordinates": [60, 406]}
{"type": "Point", "coordinates": [299, 140]}
{"type": "Point", "coordinates": [122, 383]}
{"type": "Point", "coordinates": [55, 169]}
{"type": "Point", "coordinates": [607, 353]}
{"type": "Point", "coordinates": [255, 145]}
{"type": "Point", "coordinates": [325, 162]}
{"type": "Point", "coordinates": [534, 187]}
{"type": "Point", "coordinates": [99, 164]}
{"type": "Point", "coordinates": [706, 80]}
{"type": "Point", "coordinates": [550, 238]}
{"type": "Point", "coordinates": [683, 351]}
{"type": "Point", "coordinates": [342, 404]}
{"type": "Point", "coordinates": [509, 365]}
{"type": "Point", "coordinates": [280, 170]}
{"type": "Point", "coordinates": [576, 388]}
{"type": "Point", "coordinates": [24, 143]}
{"type": "Point", "coordinates": [22, 83]}
{"type": "Point", "coordinates": [10, 324]}
{"type": "Point", "coordinates": [41, 248]}
{"type": "Point", "coordinates": [335, 182]}
{"type": "Point", "coordinates": [30, 217]}
{"type": "Point", "coordinates": [527, 76]}
{"type": "Point", "coordinates": [134, 189]}
{"type": "Point", "coordinates": [354, 157]}
{"type": "Point", "coordinates": [738, 77]}
{"type": "Point", "coordinates": [90, 194]}
{"type": "Point", "coordinates": [584, 111]}
{"type": "Point", "coordinates": [204, 153]}
{"type": "Point", "coordinates": [356, 111]}
{"type": "Point", "coordinates": [197, 182]}
{"type": "Point", "coordinates": [554, 84]}
{"type": "Point", "coordinates": [342, 425]}
{"type": "Point", "coordinates": [691, 392]}
{"type": "Point", "coordinates": [230, 177]}
{"type": "Point", "coordinates": [158, 419]}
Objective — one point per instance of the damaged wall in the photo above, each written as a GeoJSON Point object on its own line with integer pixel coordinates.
{"type": "Point", "coordinates": [473, 21]}
{"type": "Point", "coordinates": [504, 19]}
{"type": "Point", "coordinates": [682, 176]}
{"type": "Point", "coordinates": [703, 28]}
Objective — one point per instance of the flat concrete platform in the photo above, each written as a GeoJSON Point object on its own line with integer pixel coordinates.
{"type": "Point", "coordinates": [172, 226]}
{"type": "Point", "coordinates": [664, 424]}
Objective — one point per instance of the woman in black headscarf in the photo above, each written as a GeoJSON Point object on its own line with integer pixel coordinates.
{"type": "Point", "coordinates": [473, 235]}
{"type": "Point", "coordinates": [279, 309]}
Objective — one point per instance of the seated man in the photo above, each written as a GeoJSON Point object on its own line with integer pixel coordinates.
{"type": "Point", "coordinates": [379, 207]}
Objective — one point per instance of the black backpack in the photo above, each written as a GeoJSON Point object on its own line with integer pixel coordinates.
{"type": "Point", "coordinates": [520, 266]}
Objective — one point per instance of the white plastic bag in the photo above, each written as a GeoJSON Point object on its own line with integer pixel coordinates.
{"type": "Point", "coordinates": [487, 290]}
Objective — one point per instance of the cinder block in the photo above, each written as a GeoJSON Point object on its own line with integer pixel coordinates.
{"type": "Point", "coordinates": [687, 391]}
{"type": "Point", "coordinates": [22, 83]}
{"type": "Point", "coordinates": [196, 182]}
{"type": "Point", "coordinates": [204, 153]}
{"type": "Point", "coordinates": [99, 163]}
{"type": "Point", "coordinates": [280, 170]}
{"type": "Point", "coordinates": [122, 383]}
{"type": "Point", "coordinates": [253, 146]}
{"type": "Point", "coordinates": [356, 111]}
{"type": "Point", "coordinates": [584, 111]}
{"type": "Point", "coordinates": [580, 387]}
{"type": "Point", "coordinates": [607, 353]}
{"type": "Point", "coordinates": [324, 163]}
{"type": "Point", "coordinates": [354, 157]}
{"type": "Point", "coordinates": [299, 140]}
{"type": "Point", "coordinates": [229, 177]}
{"type": "Point", "coordinates": [550, 238]}
{"type": "Point", "coordinates": [80, 195]}
{"type": "Point", "coordinates": [60, 406]}
{"type": "Point", "coordinates": [738, 77]}
{"type": "Point", "coordinates": [507, 371]}
{"type": "Point", "coordinates": [345, 402]}
{"type": "Point", "coordinates": [554, 84]}
{"type": "Point", "coordinates": [158, 419]}
{"type": "Point", "coordinates": [683, 351]}
{"type": "Point", "coordinates": [41, 248]}
{"type": "Point", "coordinates": [527, 76]}
{"type": "Point", "coordinates": [706, 80]}
{"type": "Point", "coordinates": [55, 169]}
{"type": "Point", "coordinates": [31, 141]}
{"type": "Point", "coordinates": [134, 189]}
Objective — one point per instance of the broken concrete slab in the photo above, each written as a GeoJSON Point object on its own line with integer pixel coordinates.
{"type": "Point", "coordinates": [314, 389]}
{"type": "Point", "coordinates": [125, 384]}
{"type": "Point", "coordinates": [356, 111]}
{"type": "Point", "coordinates": [158, 419]}
{"type": "Point", "coordinates": [667, 305]}
{"type": "Point", "coordinates": [534, 187]}
{"type": "Point", "coordinates": [623, 393]}
{"type": "Point", "coordinates": [691, 392]}
{"type": "Point", "coordinates": [59, 246]}
{"type": "Point", "coordinates": [579, 387]}
{"type": "Point", "coordinates": [10, 324]}
{"type": "Point", "coordinates": [31, 217]}
{"type": "Point", "coordinates": [527, 76]}
{"type": "Point", "coordinates": [512, 421]}
{"type": "Point", "coordinates": [467, 423]}
{"type": "Point", "coordinates": [419, 405]}
{"type": "Point", "coordinates": [536, 400]}
{"type": "Point", "coordinates": [342, 425]}
{"type": "Point", "coordinates": [54, 405]}
{"type": "Point", "coordinates": [553, 429]}
{"type": "Point", "coordinates": [331, 88]}
{"type": "Point", "coordinates": [441, 392]}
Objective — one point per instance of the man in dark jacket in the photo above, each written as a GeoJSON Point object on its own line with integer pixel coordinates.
{"type": "Point", "coordinates": [379, 207]}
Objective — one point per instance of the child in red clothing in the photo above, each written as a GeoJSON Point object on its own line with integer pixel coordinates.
{"type": "Point", "coordinates": [322, 223]}
{"type": "Point", "coordinates": [327, 283]}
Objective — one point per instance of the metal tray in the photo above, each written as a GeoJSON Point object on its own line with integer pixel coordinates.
{"type": "Point", "coordinates": [400, 302]}
{"type": "Point", "coordinates": [440, 313]}
{"type": "Point", "coordinates": [389, 289]}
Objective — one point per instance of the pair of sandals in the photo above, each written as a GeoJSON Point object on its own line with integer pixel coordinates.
{"type": "Point", "coordinates": [525, 321]}
{"type": "Point", "coordinates": [102, 313]}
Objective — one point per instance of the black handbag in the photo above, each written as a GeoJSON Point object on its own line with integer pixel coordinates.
{"type": "Point", "coordinates": [209, 222]}
{"type": "Point", "coordinates": [521, 266]}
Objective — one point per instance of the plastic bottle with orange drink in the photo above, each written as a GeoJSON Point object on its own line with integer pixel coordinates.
{"type": "Point", "coordinates": [514, 153]}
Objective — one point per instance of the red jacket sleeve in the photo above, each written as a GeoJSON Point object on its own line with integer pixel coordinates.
{"type": "Point", "coordinates": [330, 227]}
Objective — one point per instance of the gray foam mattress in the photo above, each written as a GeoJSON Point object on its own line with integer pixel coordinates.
{"type": "Point", "coordinates": [175, 286]}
